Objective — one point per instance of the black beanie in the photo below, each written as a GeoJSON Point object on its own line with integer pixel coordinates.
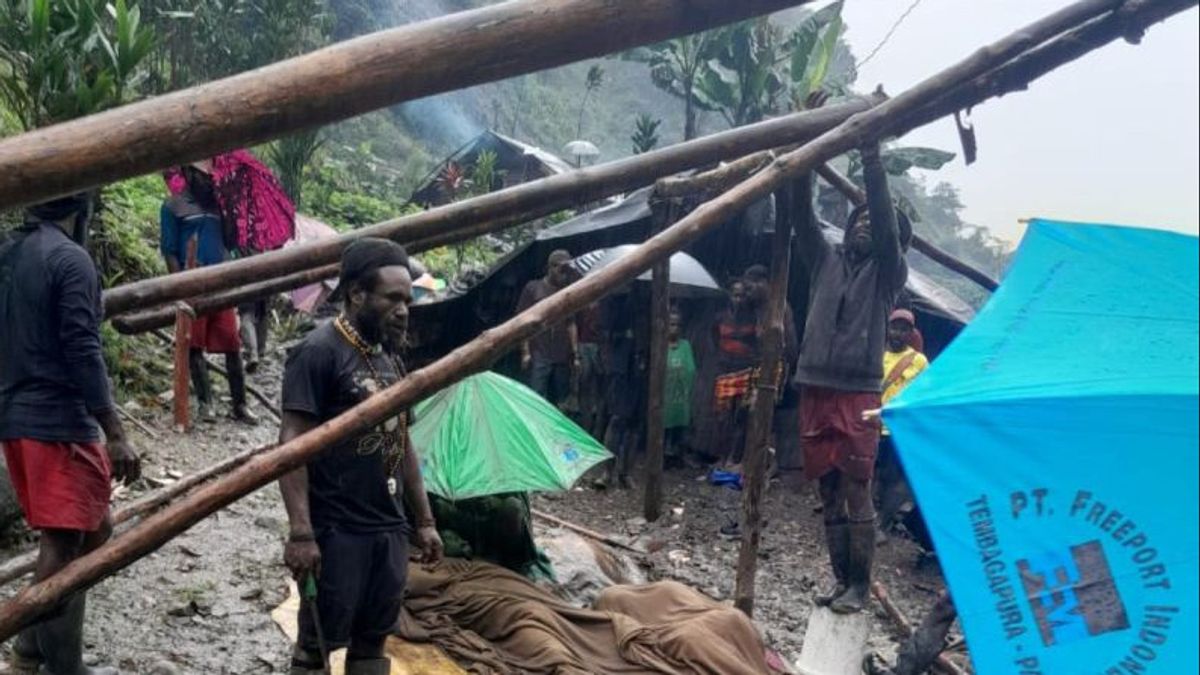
{"type": "Point", "coordinates": [363, 256]}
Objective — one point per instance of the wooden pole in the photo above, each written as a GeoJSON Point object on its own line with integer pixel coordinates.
{"type": "Point", "coordinates": [488, 213]}
{"type": "Point", "coordinates": [944, 258]}
{"type": "Point", "coordinates": [161, 527]}
{"type": "Point", "coordinates": [24, 563]}
{"type": "Point", "coordinates": [660, 307]}
{"type": "Point", "coordinates": [793, 202]}
{"type": "Point", "coordinates": [341, 81]}
{"type": "Point", "coordinates": [590, 534]}
{"type": "Point", "coordinates": [941, 664]}
{"type": "Point", "coordinates": [183, 345]}
{"type": "Point", "coordinates": [161, 317]}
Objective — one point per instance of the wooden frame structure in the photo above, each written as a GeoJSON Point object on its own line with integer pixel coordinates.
{"type": "Point", "coordinates": [1004, 66]}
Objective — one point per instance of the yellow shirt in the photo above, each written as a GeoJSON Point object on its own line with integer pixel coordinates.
{"type": "Point", "coordinates": [890, 360]}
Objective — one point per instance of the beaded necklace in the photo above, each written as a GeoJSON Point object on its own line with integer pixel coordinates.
{"type": "Point", "coordinates": [393, 442]}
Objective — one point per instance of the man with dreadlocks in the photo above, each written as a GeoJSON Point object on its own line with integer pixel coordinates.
{"type": "Point", "coordinates": [852, 289]}
{"type": "Point", "coordinates": [348, 526]}
{"type": "Point", "coordinates": [55, 399]}
{"type": "Point", "coordinates": [194, 215]}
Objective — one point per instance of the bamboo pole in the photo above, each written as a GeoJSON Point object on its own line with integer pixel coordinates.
{"type": "Point", "coordinates": [488, 213]}
{"type": "Point", "coordinates": [590, 534]}
{"type": "Point", "coordinates": [341, 81]}
{"type": "Point", "coordinates": [944, 258]}
{"type": "Point", "coordinates": [657, 375]}
{"type": "Point", "coordinates": [159, 528]}
{"type": "Point", "coordinates": [24, 563]}
{"type": "Point", "coordinates": [794, 202]}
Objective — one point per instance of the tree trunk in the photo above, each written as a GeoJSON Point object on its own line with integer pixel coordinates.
{"type": "Point", "coordinates": [488, 213]}
{"type": "Point", "coordinates": [689, 113]}
{"type": "Point", "coordinates": [156, 530]}
{"type": "Point", "coordinates": [791, 204]}
{"type": "Point", "coordinates": [341, 81]}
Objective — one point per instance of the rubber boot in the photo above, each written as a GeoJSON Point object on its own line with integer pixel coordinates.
{"type": "Point", "coordinates": [26, 656]}
{"type": "Point", "coordinates": [861, 554]}
{"type": "Point", "coordinates": [919, 651]}
{"type": "Point", "coordinates": [369, 666]}
{"type": "Point", "coordinates": [61, 642]}
{"type": "Point", "coordinates": [838, 542]}
{"type": "Point", "coordinates": [202, 384]}
{"type": "Point", "coordinates": [237, 389]}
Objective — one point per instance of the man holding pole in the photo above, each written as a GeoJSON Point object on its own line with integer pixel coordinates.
{"type": "Point", "coordinates": [348, 542]}
{"type": "Point", "coordinates": [55, 399]}
{"type": "Point", "coordinates": [852, 288]}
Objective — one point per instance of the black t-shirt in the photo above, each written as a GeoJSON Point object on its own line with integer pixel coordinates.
{"type": "Point", "coordinates": [347, 484]}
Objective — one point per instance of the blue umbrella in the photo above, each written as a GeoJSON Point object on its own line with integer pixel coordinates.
{"type": "Point", "coordinates": [1053, 451]}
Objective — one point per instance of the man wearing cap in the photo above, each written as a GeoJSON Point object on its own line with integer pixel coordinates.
{"type": "Point", "coordinates": [550, 356]}
{"type": "Point", "coordinates": [852, 289]}
{"type": "Point", "coordinates": [194, 215]}
{"type": "Point", "coordinates": [348, 525]}
{"type": "Point", "coordinates": [55, 399]}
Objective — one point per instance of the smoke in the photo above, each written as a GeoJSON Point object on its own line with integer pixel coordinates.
{"type": "Point", "coordinates": [440, 120]}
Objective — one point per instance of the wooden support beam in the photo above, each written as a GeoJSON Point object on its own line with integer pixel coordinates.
{"type": "Point", "coordinates": [792, 202]}
{"type": "Point", "coordinates": [182, 381]}
{"type": "Point", "coordinates": [341, 81]}
{"type": "Point", "coordinates": [944, 258]}
{"type": "Point", "coordinates": [487, 213]}
{"type": "Point", "coordinates": [161, 527]}
{"type": "Point", "coordinates": [660, 305]}
{"type": "Point", "coordinates": [714, 181]}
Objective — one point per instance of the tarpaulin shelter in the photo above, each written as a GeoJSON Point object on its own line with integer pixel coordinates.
{"type": "Point", "coordinates": [1053, 451]}
{"type": "Point", "coordinates": [516, 162]}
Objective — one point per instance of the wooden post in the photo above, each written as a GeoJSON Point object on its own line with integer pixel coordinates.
{"type": "Point", "coordinates": [792, 202]}
{"type": "Point", "coordinates": [660, 308]}
{"type": "Point", "coordinates": [157, 529]}
{"type": "Point", "coordinates": [183, 346]}
{"type": "Point", "coordinates": [492, 212]}
{"type": "Point", "coordinates": [341, 81]}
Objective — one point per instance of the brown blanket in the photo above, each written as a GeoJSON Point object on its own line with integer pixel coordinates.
{"type": "Point", "coordinates": [496, 622]}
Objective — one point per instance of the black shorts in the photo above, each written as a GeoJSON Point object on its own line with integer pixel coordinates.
{"type": "Point", "coordinates": [360, 590]}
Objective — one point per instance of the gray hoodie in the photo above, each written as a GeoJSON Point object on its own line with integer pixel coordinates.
{"type": "Point", "coordinates": [848, 299]}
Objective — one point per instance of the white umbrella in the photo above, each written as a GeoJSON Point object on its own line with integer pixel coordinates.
{"type": "Point", "coordinates": [688, 276]}
{"type": "Point", "coordinates": [581, 150]}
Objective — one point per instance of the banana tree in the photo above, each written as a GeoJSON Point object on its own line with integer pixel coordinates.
{"type": "Point", "coordinates": [747, 78]}
{"type": "Point", "coordinates": [675, 65]}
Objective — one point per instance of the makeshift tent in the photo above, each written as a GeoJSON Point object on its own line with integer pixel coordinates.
{"type": "Point", "coordinates": [1053, 451]}
{"type": "Point", "coordinates": [516, 163]}
{"type": "Point", "coordinates": [688, 276]}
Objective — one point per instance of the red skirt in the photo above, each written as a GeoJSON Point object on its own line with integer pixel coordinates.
{"type": "Point", "coordinates": [61, 486]}
{"type": "Point", "coordinates": [834, 434]}
{"type": "Point", "coordinates": [217, 333]}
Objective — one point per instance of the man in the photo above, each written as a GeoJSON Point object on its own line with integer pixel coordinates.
{"type": "Point", "coordinates": [852, 288]}
{"type": "Point", "coordinates": [194, 214]}
{"type": "Point", "coordinates": [901, 365]}
{"type": "Point", "coordinates": [624, 362]}
{"type": "Point", "coordinates": [737, 355]}
{"type": "Point", "coordinates": [55, 398]}
{"type": "Point", "coordinates": [348, 528]}
{"type": "Point", "coordinates": [550, 355]}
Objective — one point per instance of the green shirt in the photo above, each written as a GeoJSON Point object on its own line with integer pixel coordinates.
{"type": "Point", "coordinates": [681, 374]}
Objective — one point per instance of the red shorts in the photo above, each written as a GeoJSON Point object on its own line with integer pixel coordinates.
{"type": "Point", "coordinates": [834, 434]}
{"type": "Point", "coordinates": [61, 486]}
{"type": "Point", "coordinates": [217, 333]}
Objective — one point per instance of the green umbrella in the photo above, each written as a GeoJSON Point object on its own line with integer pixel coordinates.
{"type": "Point", "coordinates": [489, 434]}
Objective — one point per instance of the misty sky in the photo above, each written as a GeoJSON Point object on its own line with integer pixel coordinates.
{"type": "Point", "coordinates": [1110, 138]}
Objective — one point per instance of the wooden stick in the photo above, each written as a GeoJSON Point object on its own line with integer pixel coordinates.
{"type": "Point", "coordinates": [942, 257]}
{"type": "Point", "coordinates": [262, 398]}
{"type": "Point", "coordinates": [162, 526]}
{"type": "Point", "coordinates": [137, 423]}
{"type": "Point", "coordinates": [341, 81]}
{"type": "Point", "coordinates": [162, 317]}
{"type": "Point", "coordinates": [714, 181]}
{"type": "Point", "coordinates": [183, 345]}
{"type": "Point", "coordinates": [487, 213]}
{"type": "Point", "coordinates": [660, 307]}
{"type": "Point", "coordinates": [792, 204]}
{"type": "Point", "coordinates": [24, 563]}
{"type": "Point", "coordinates": [941, 663]}
{"type": "Point", "coordinates": [590, 534]}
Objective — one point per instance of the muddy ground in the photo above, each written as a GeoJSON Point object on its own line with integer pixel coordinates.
{"type": "Point", "coordinates": [201, 604]}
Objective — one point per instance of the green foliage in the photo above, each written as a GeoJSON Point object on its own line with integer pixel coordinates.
{"type": "Point", "coordinates": [645, 134]}
{"type": "Point", "coordinates": [813, 45]}
{"type": "Point", "coordinates": [291, 156]}
{"type": "Point", "coordinates": [485, 177]}
{"type": "Point", "coordinates": [746, 79]}
{"type": "Point", "coordinates": [63, 59]}
{"type": "Point", "coordinates": [125, 235]}
{"type": "Point", "coordinates": [674, 67]}
{"type": "Point", "coordinates": [592, 83]}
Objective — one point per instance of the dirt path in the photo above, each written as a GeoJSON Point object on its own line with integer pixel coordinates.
{"type": "Point", "coordinates": [201, 604]}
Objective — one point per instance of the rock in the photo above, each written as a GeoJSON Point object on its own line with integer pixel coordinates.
{"type": "Point", "coordinates": [163, 668]}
